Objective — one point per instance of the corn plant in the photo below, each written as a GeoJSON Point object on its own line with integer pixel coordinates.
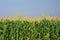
{"type": "Point", "coordinates": [25, 28]}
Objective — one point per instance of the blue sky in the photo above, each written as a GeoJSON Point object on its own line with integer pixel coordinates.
{"type": "Point", "coordinates": [29, 8]}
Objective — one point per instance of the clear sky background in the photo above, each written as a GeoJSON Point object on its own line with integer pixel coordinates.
{"type": "Point", "coordinates": [29, 8]}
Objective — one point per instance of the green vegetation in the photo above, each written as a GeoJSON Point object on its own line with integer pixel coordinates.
{"type": "Point", "coordinates": [24, 30]}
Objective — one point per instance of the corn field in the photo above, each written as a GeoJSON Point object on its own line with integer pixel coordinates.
{"type": "Point", "coordinates": [26, 28]}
